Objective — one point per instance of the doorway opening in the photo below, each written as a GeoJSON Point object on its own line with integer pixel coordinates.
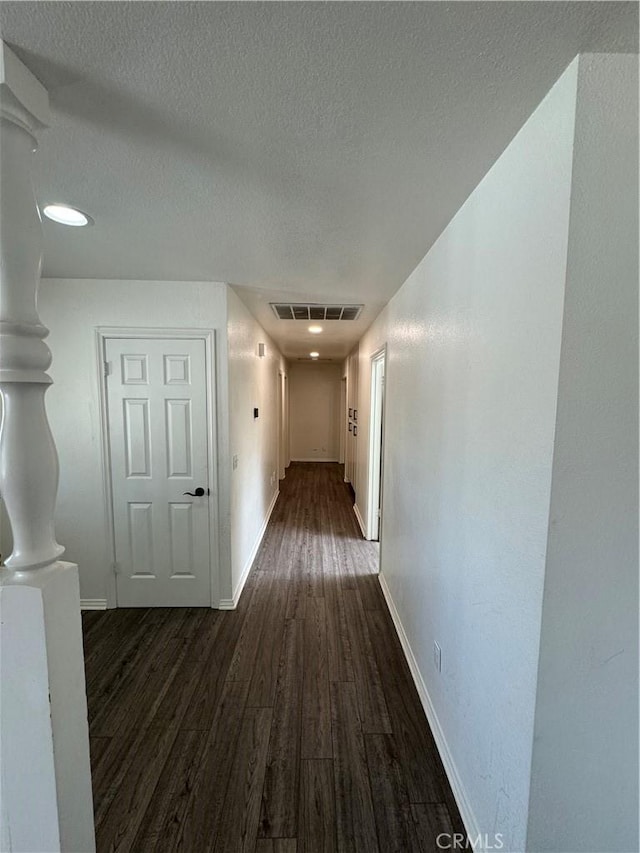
{"type": "Point", "coordinates": [282, 425]}
{"type": "Point", "coordinates": [376, 445]}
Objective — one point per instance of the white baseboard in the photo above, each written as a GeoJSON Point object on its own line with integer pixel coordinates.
{"type": "Point", "coordinates": [360, 521]}
{"type": "Point", "coordinates": [232, 603]}
{"type": "Point", "coordinates": [93, 604]}
{"type": "Point", "coordinates": [316, 459]}
{"type": "Point", "coordinates": [466, 812]}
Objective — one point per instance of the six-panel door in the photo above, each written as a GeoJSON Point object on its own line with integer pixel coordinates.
{"type": "Point", "coordinates": [157, 413]}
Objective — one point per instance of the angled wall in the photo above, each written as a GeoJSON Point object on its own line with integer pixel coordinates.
{"type": "Point", "coordinates": [473, 355]}
{"type": "Point", "coordinates": [510, 518]}
{"type": "Point", "coordinates": [584, 790]}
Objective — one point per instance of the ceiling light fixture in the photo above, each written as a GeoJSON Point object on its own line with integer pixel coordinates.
{"type": "Point", "coordinates": [315, 330]}
{"type": "Point", "coordinates": [65, 215]}
{"type": "Point", "coordinates": [314, 354]}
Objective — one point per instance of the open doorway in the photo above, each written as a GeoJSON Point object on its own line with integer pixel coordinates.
{"type": "Point", "coordinates": [282, 441]}
{"type": "Point", "coordinates": [376, 445]}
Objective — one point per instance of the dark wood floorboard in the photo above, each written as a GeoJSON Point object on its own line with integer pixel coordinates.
{"type": "Point", "coordinates": [289, 725]}
{"type": "Point", "coordinates": [394, 822]}
{"type": "Point", "coordinates": [355, 824]}
{"type": "Point", "coordinates": [431, 819]}
{"type": "Point", "coordinates": [316, 816]}
{"type": "Point", "coordinates": [238, 829]}
{"type": "Point", "coordinates": [316, 702]}
{"type": "Point", "coordinates": [279, 817]}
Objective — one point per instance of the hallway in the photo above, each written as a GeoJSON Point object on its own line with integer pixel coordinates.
{"type": "Point", "coordinates": [289, 724]}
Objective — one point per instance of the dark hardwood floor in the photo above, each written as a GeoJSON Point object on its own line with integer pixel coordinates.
{"type": "Point", "coordinates": [290, 725]}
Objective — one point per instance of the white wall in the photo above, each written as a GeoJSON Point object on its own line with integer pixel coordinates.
{"type": "Point", "coordinates": [473, 342]}
{"type": "Point", "coordinates": [72, 310]}
{"type": "Point", "coordinates": [584, 793]}
{"type": "Point", "coordinates": [350, 370]}
{"type": "Point", "coordinates": [253, 382]}
{"type": "Point", "coordinates": [314, 406]}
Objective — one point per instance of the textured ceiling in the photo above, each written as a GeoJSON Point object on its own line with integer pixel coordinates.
{"type": "Point", "coordinates": [309, 151]}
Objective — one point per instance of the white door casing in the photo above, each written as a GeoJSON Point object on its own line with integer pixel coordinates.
{"type": "Point", "coordinates": [376, 445]}
{"type": "Point", "coordinates": [157, 411]}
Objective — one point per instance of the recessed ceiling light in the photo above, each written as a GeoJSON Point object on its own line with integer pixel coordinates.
{"type": "Point", "coordinates": [65, 215]}
{"type": "Point", "coordinates": [315, 330]}
{"type": "Point", "coordinates": [314, 354]}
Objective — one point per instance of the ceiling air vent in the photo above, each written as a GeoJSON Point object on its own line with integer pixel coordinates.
{"type": "Point", "coordinates": [300, 311]}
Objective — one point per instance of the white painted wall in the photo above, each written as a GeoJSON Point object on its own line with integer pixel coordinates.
{"type": "Point", "coordinates": [473, 341]}
{"type": "Point", "coordinates": [253, 382]}
{"type": "Point", "coordinates": [342, 428]}
{"type": "Point", "coordinates": [72, 309]}
{"type": "Point", "coordinates": [584, 793]}
{"type": "Point", "coordinates": [315, 411]}
{"type": "Point", "coordinates": [350, 370]}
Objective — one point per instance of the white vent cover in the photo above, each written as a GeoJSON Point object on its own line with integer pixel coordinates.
{"type": "Point", "coordinates": [314, 311]}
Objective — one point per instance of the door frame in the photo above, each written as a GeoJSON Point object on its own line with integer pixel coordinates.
{"type": "Point", "coordinates": [104, 333]}
{"type": "Point", "coordinates": [287, 434]}
{"type": "Point", "coordinates": [280, 428]}
{"type": "Point", "coordinates": [376, 444]}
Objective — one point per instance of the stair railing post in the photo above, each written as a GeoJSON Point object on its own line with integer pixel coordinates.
{"type": "Point", "coordinates": [45, 775]}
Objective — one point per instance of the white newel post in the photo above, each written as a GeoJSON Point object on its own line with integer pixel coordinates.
{"type": "Point", "coordinates": [45, 777]}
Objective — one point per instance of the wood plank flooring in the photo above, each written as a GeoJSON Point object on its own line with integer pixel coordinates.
{"type": "Point", "coordinates": [290, 725]}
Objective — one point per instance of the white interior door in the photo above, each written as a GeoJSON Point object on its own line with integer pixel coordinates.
{"type": "Point", "coordinates": [157, 418]}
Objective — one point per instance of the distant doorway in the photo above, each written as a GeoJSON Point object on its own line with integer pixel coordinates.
{"type": "Point", "coordinates": [376, 445]}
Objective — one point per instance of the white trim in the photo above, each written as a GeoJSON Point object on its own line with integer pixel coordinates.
{"type": "Point", "coordinates": [375, 450]}
{"type": "Point", "coordinates": [359, 519]}
{"type": "Point", "coordinates": [209, 336]}
{"type": "Point", "coordinates": [314, 460]}
{"type": "Point", "coordinates": [93, 604]}
{"type": "Point", "coordinates": [112, 590]}
{"type": "Point", "coordinates": [466, 812]}
{"type": "Point", "coordinates": [232, 603]}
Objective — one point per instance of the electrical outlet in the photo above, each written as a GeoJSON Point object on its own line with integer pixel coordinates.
{"type": "Point", "coordinates": [235, 462]}
{"type": "Point", "coordinates": [437, 657]}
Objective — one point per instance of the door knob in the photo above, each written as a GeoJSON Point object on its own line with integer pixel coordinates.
{"type": "Point", "coordinates": [199, 492]}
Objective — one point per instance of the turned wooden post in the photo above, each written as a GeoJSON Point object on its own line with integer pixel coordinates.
{"type": "Point", "coordinates": [45, 779]}
{"type": "Point", "coordinates": [28, 459]}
